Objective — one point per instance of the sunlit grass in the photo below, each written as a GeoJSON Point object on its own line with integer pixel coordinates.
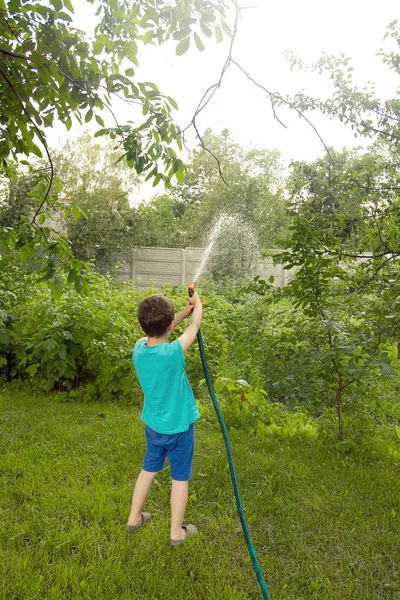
{"type": "Point", "coordinates": [326, 526]}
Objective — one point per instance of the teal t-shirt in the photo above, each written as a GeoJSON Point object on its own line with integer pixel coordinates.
{"type": "Point", "coordinates": [169, 403]}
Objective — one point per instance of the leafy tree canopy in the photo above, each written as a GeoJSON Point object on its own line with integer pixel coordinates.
{"type": "Point", "coordinates": [361, 108]}
{"type": "Point", "coordinates": [49, 70]}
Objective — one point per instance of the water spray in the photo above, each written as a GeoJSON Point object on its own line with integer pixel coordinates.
{"type": "Point", "coordinates": [234, 227]}
{"type": "Point", "coordinates": [232, 467]}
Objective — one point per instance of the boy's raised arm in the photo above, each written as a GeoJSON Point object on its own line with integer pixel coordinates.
{"type": "Point", "coordinates": [183, 314]}
{"type": "Point", "coordinates": [188, 336]}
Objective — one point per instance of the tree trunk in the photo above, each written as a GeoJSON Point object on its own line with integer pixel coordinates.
{"type": "Point", "coordinates": [339, 406]}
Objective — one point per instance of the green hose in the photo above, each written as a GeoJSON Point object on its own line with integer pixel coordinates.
{"type": "Point", "coordinates": [232, 468]}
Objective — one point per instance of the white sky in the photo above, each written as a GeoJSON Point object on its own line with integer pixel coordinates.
{"type": "Point", "coordinates": [266, 31]}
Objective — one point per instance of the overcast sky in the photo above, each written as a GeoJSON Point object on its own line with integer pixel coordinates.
{"type": "Point", "coordinates": [266, 30]}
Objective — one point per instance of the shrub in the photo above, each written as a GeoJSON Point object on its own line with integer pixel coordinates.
{"type": "Point", "coordinates": [248, 407]}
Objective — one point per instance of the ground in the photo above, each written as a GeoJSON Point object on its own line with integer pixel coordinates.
{"type": "Point", "coordinates": [325, 525]}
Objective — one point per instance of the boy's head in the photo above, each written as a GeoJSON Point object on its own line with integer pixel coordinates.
{"type": "Point", "coordinates": [155, 314]}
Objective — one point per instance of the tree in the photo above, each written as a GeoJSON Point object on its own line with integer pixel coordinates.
{"type": "Point", "coordinates": [158, 223]}
{"type": "Point", "coordinates": [97, 218]}
{"type": "Point", "coordinates": [16, 203]}
{"type": "Point", "coordinates": [339, 191]}
{"type": "Point", "coordinates": [98, 186]}
{"type": "Point", "coordinates": [249, 202]}
{"type": "Point", "coordinates": [370, 117]}
{"type": "Point", "coordinates": [49, 70]}
{"type": "Point", "coordinates": [361, 108]}
{"type": "Point", "coordinates": [344, 204]}
{"type": "Point", "coordinates": [85, 163]}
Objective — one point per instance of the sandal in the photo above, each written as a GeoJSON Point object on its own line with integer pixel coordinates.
{"type": "Point", "coordinates": [190, 530]}
{"type": "Point", "coordinates": [145, 518]}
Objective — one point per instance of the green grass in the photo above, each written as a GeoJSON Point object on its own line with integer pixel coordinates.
{"type": "Point", "coordinates": [326, 526]}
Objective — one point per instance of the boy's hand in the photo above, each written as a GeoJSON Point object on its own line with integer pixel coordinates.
{"type": "Point", "coordinates": [195, 299]}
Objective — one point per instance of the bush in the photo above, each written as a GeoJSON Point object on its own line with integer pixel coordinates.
{"type": "Point", "coordinates": [248, 408]}
{"type": "Point", "coordinates": [77, 341]}
{"type": "Point", "coordinates": [82, 344]}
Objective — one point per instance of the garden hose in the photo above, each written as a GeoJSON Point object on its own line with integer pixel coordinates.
{"type": "Point", "coordinates": [232, 468]}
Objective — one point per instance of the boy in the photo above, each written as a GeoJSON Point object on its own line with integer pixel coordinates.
{"type": "Point", "coordinates": [169, 410]}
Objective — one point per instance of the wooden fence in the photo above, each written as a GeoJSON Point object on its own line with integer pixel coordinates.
{"type": "Point", "coordinates": [177, 266]}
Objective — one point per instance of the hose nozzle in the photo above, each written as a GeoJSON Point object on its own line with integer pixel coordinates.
{"type": "Point", "coordinates": [191, 287]}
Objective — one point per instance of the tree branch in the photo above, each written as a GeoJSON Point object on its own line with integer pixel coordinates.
{"type": "Point", "coordinates": [211, 153]}
{"type": "Point", "coordinates": [274, 96]}
{"type": "Point", "coordinates": [209, 93]}
{"type": "Point", "coordinates": [42, 139]}
{"type": "Point", "coordinates": [13, 54]}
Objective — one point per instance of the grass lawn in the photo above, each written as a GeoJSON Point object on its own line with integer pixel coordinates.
{"type": "Point", "coordinates": [325, 526]}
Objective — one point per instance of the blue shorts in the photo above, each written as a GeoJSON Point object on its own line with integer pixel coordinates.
{"type": "Point", "coordinates": [178, 448]}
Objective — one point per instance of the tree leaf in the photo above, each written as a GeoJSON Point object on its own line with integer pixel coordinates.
{"type": "Point", "coordinates": [182, 47]}
{"type": "Point", "coordinates": [79, 283]}
{"type": "Point", "coordinates": [32, 369]}
{"type": "Point", "coordinates": [181, 33]}
{"type": "Point", "coordinates": [219, 35]}
{"type": "Point", "coordinates": [68, 6]}
{"type": "Point", "coordinates": [97, 47]}
{"type": "Point", "coordinates": [173, 102]}
{"type": "Point", "coordinates": [178, 164]}
{"type": "Point", "coordinates": [35, 150]}
{"type": "Point", "coordinates": [199, 43]}
{"type": "Point", "coordinates": [57, 4]}
{"type": "Point", "coordinates": [205, 30]}
{"type": "Point", "coordinates": [76, 213]}
{"type": "Point", "coordinates": [131, 53]}
{"type": "Point", "coordinates": [71, 276]}
{"type": "Point", "coordinates": [55, 290]}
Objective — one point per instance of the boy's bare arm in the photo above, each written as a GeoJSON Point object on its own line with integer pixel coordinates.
{"type": "Point", "coordinates": [189, 335]}
{"type": "Point", "coordinates": [183, 314]}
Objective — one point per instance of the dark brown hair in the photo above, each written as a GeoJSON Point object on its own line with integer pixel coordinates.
{"type": "Point", "coordinates": [155, 313]}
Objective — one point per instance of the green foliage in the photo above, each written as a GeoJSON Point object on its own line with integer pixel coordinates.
{"type": "Point", "coordinates": [249, 202]}
{"type": "Point", "coordinates": [78, 341]}
{"type": "Point", "coordinates": [158, 223]}
{"type": "Point", "coordinates": [248, 408]}
{"type": "Point", "coordinates": [253, 189]}
{"type": "Point", "coordinates": [334, 190]}
{"type": "Point", "coordinates": [361, 196]}
{"type": "Point", "coordinates": [318, 345]}
{"type": "Point", "coordinates": [359, 107]}
{"type": "Point", "coordinates": [293, 356]}
{"type": "Point", "coordinates": [82, 343]}
{"type": "Point", "coordinates": [248, 207]}
{"type": "Point", "coordinates": [49, 70]}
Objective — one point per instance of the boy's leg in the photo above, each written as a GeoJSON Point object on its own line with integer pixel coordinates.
{"type": "Point", "coordinates": [153, 463]}
{"type": "Point", "coordinates": [180, 459]}
{"type": "Point", "coordinates": [179, 496]}
{"type": "Point", "coordinates": [140, 494]}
